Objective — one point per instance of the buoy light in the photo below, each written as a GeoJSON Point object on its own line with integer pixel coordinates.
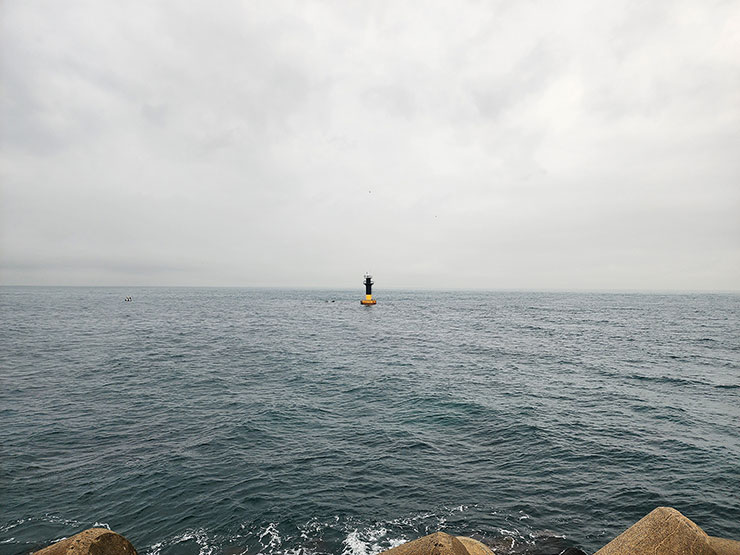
{"type": "Point", "coordinates": [368, 291]}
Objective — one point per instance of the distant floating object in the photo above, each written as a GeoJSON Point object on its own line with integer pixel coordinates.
{"type": "Point", "coordinates": [368, 291]}
{"type": "Point", "coordinates": [128, 299]}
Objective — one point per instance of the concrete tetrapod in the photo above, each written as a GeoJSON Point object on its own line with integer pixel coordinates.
{"type": "Point", "coordinates": [722, 546]}
{"type": "Point", "coordinates": [440, 543]}
{"type": "Point", "coordinates": [665, 531]}
{"type": "Point", "coordinates": [474, 547]}
{"type": "Point", "coordinates": [94, 541]}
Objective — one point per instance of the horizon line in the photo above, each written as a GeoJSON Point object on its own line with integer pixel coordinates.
{"type": "Point", "coordinates": [402, 289]}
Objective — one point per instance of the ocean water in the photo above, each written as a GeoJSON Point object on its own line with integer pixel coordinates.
{"type": "Point", "coordinates": [274, 421]}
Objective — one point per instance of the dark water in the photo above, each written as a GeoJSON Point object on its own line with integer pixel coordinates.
{"type": "Point", "coordinates": [245, 421]}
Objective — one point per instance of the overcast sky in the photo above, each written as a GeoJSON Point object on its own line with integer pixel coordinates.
{"type": "Point", "coordinates": [517, 145]}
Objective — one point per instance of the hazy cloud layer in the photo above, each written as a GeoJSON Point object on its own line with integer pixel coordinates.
{"type": "Point", "coordinates": [546, 145]}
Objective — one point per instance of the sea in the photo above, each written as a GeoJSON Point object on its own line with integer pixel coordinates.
{"type": "Point", "coordinates": [275, 421]}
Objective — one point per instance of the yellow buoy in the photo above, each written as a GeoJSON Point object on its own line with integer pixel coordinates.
{"type": "Point", "coordinates": [368, 291]}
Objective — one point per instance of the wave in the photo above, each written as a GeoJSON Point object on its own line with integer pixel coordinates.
{"type": "Point", "coordinates": [349, 536]}
{"type": "Point", "coordinates": [728, 386]}
{"type": "Point", "coordinates": [673, 380]}
{"type": "Point", "coordinates": [206, 545]}
{"type": "Point", "coordinates": [345, 535]}
{"type": "Point", "coordinates": [667, 380]}
{"type": "Point", "coordinates": [369, 541]}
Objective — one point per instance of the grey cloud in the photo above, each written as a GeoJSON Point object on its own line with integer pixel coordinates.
{"type": "Point", "coordinates": [513, 145]}
{"type": "Point", "coordinates": [528, 77]}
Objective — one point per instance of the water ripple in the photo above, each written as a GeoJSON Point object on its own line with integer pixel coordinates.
{"type": "Point", "coordinates": [244, 421]}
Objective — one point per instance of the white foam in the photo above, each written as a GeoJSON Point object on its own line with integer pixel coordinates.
{"type": "Point", "coordinates": [202, 541]}
{"type": "Point", "coordinates": [58, 520]}
{"type": "Point", "coordinates": [367, 541]}
{"type": "Point", "coordinates": [10, 526]}
{"type": "Point", "coordinates": [354, 545]}
{"type": "Point", "coordinates": [273, 535]}
{"type": "Point", "coordinates": [199, 536]}
{"type": "Point", "coordinates": [359, 538]}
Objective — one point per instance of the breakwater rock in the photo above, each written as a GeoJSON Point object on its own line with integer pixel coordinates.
{"type": "Point", "coordinates": [94, 541]}
{"type": "Point", "coordinates": [664, 531]}
{"type": "Point", "coordinates": [440, 543]}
